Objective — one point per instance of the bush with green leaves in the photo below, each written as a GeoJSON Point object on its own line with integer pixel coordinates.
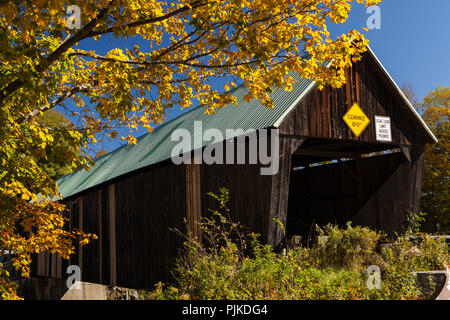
{"type": "Point", "coordinates": [348, 248]}
{"type": "Point", "coordinates": [230, 263]}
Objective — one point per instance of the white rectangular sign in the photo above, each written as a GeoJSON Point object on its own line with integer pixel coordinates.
{"type": "Point", "coordinates": [383, 128]}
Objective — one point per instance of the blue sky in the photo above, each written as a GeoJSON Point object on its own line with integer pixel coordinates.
{"type": "Point", "coordinates": [413, 44]}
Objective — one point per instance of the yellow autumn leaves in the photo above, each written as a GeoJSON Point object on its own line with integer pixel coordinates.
{"type": "Point", "coordinates": [168, 53]}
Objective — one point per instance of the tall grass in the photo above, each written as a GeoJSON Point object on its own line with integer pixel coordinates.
{"type": "Point", "coordinates": [230, 263]}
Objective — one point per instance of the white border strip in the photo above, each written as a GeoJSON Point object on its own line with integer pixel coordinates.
{"type": "Point", "coordinates": [404, 97]}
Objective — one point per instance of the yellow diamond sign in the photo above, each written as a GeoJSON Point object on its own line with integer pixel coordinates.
{"type": "Point", "coordinates": [356, 120]}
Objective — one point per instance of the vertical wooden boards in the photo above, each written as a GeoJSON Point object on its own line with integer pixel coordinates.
{"type": "Point", "coordinates": [319, 114]}
{"type": "Point", "coordinates": [388, 206]}
{"type": "Point", "coordinates": [280, 191]}
{"type": "Point", "coordinates": [112, 234]}
{"type": "Point", "coordinates": [42, 267]}
{"type": "Point", "coordinates": [132, 218]}
{"type": "Point", "coordinates": [90, 258]}
{"type": "Point", "coordinates": [53, 270]}
{"type": "Point", "coordinates": [147, 206]}
{"type": "Point", "coordinates": [249, 190]}
{"type": "Point", "coordinates": [100, 236]}
{"type": "Point", "coordinates": [80, 226]}
{"type": "Point", "coordinates": [399, 195]}
{"type": "Point", "coordinates": [193, 199]}
{"type": "Point", "coordinates": [104, 230]}
{"type": "Point", "coordinates": [249, 193]}
{"type": "Point", "coordinates": [416, 162]}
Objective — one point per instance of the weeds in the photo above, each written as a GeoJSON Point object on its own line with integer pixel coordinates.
{"type": "Point", "coordinates": [230, 263]}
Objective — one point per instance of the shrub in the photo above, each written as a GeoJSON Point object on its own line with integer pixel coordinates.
{"type": "Point", "coordinates": [422, 253]}
{"type": "Point", "coordinates": [230, 263]}
{"type": "Point", "coordinates": [349, 248]}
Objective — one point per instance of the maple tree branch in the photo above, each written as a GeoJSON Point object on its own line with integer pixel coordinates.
{"type": "Point", "coordinates": [52, 57]}
{"type": "Point", "coordinates": [64, 96]}
{"type": "Point", "coordinates": [87, 32]}
{"type": "Point", "coordinates": [174, 62]}
{"type": "Point", "coordinates": [195, 4]}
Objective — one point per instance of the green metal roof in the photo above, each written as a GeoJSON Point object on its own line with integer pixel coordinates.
{"type": "Point", "coordinates": [156, 146]}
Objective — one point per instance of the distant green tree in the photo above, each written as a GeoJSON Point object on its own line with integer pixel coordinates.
{"type": "Point", "coordinates": [54, 160]}
{"type": "Point", "coordinates": [435, 200]}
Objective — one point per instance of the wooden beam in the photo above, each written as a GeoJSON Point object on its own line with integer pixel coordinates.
{"type": "Point", "coordinates": [407, 152]}
{"type": "Point", "coordinates": [100, 234]}
{"type": "Point", "coordinates": [80, 227]}
{"type": "Point", "coordinates": [280, 191]}
{"type": "Point", "coordinates": [112, 234]}
{"type": "Point", "coordinates": [359, 182]}
{"type": "Point", "coordinates": [193, 200]}
{"type": "Point", "coordinates": [41, 267]}
{"type": "Point", "coordinates": [59, 273]}
{"type": "Point", "coordinates": [324, 154]}
{"type": "Point", "coordinates": [53, 261]}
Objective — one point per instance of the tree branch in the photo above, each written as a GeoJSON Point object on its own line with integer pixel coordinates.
{"type": "Point", "coordinates": [63, 47]}
{"type": "Point", "coordinates": [138, 23]}
{"type": "Point", "coordinates": [65, 95]}
{"type": "Point", "coordinates": [173, 62]}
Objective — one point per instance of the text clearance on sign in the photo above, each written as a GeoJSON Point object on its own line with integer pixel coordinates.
{"type": "Point", "coordinates": [356, 120]}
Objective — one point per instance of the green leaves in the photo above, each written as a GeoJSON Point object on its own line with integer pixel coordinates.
{"type": "Point", "coordinates": [43, 65]}
{"type": "Point", "coordinates": [220, 267]}
{"type": "Point", "coordinates": [435, 201]}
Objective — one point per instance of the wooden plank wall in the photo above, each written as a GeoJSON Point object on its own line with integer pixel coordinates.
{"type": "Point", "coordinates": [399, 195]}
{"type": "Point", "coordinates": [280, 191]}
{"type": "Point", "coordinates": [90, 221]}
{"type": "Point", "coordinates": [250, 192]}
{"type": "Point", "coordinates": [46, 264]}
{"type": "Point", "coordinates": [320, 113]}
{"type": "Point", "coordinates": [146, 206]}
{"type": "Point", "coordinates": [132, 219]}
{"type": "Point", "coordinates": [112, 252]}
{"type": "Point", "coordinates": [193, 199]}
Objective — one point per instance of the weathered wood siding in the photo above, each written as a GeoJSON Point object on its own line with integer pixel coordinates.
{"type": "Point", "coordinates": [193, 200]}
{"type": "Point", "coordinates": [398, 196]}
{"type": "Point", "coordinates": [279, 197]}
{"type": "Point", "coordinates": [320, 113]}
{"type": "Point", "coordinates": [147, 205]}
{"type": "Point", "coordinates": [249, 193]}
{"type": "Point", "coordinates": [132, 218]}
{"type": "Point", "coordinates": [132, 214]}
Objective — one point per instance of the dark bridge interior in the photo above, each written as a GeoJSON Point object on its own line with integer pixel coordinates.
{"type": "Point", "coordinates": [331, 181]}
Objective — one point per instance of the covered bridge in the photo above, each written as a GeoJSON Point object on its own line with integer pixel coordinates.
{"type": "Point", "coordinates": [350, 154]}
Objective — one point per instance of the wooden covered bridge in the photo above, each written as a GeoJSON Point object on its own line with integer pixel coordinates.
{"type": "Point", "coordinates": [350, 154]}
